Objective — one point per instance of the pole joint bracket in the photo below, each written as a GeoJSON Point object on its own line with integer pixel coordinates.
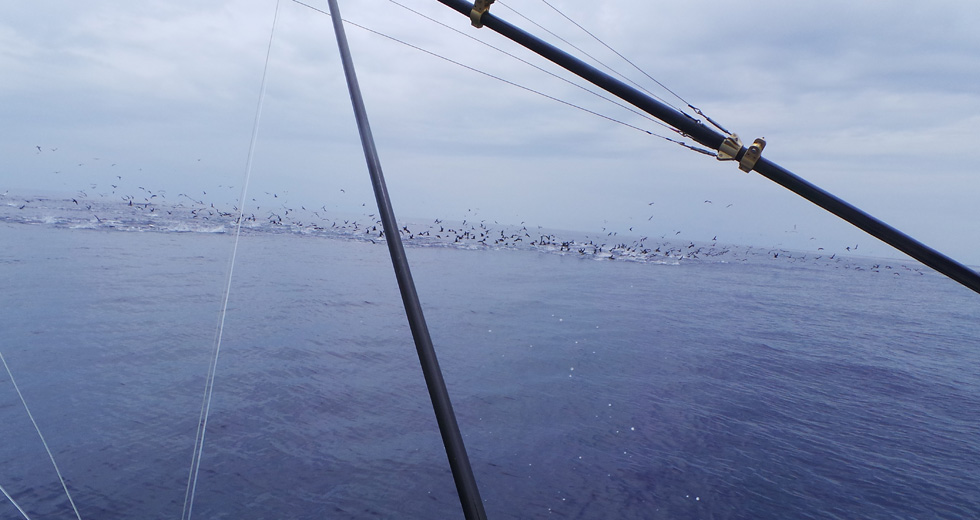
{"type": "Point", "coordinates": [731, 150]}
{"type": "Point", "coordinates": [479, 7]}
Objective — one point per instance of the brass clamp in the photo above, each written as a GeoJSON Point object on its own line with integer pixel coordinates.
{"type": "Point", "coordinates": [752, 155]}
{"type": "Point", "coordinates": [479, 7]}
{"type": "Point", "coordinates": [731, 150]}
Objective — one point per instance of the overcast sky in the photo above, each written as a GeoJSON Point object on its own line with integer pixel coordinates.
{"type": "Point", "coordinates": [877, 102]}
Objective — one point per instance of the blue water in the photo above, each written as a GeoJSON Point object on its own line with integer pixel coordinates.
{"type": "Point", "coordinates": [732, 385]}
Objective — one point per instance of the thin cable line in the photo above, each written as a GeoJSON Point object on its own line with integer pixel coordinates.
{"type": "Point", "coordinates": [604, 44]}
{"type": "Point", "coordinates": [637, 67]}
{"type": "Point", "coordinates": [593, 58]}
{"type": "Point", "coordinates": [45, 443]}
{"type": "Point", "coordinates": [195, 469]}
{"type": "Point", "coordinates": [4, 491]}
{"type": "Point", "coordinates": [505, 80]}
{"type": "Point", "coordinates": [522, 60]}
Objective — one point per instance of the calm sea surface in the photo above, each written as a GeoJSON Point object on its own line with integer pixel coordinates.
{"type": "Point", "coordinates": [584, 388]}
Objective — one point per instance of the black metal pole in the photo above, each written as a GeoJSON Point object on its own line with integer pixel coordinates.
{"type": "Point", "coordinates": [712, 139]}
{"type": "Point", "coordinates": [869, 224]}
{"type": "Point", "coordinates": [469, 494]}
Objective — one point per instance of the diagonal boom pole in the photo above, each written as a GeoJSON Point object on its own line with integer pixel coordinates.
{"type": "Point", "coordinates": [714, 140]}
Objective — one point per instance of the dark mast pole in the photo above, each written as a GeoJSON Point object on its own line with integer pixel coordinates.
{"type": "Point", "coordinates": [469, 494]}
{"type": "Point", "coordinates": [714, 140]}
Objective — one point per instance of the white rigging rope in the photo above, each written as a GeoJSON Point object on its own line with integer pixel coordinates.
{"type": "Point", "coordinates": [11, 499]}
{"type": "Point", "coordinates": [195, 467]}
{"type": "Point", "coordinates": [44, 442]}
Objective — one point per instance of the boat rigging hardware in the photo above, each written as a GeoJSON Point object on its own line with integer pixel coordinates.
{"type": "Point", "coordinates": [479, 7]}
{"type": "Point", "coordinates": [752, 155]}
{"type": "Point", "coordinates": [713, 140]}
{"type": "Point", "coordinates": [731, 150]}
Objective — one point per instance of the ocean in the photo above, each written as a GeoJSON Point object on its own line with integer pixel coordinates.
{"type": "Point", "coordinates": [640, 379]}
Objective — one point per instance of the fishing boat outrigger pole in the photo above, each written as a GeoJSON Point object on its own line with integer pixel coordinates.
{"type": "Point", "coordinates": [466, 488]}
{"type": "Point", "coordinates": [728, 147]}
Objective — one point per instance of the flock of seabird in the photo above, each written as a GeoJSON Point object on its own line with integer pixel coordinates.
{"type": "Point", "coordinates": [149, 208]}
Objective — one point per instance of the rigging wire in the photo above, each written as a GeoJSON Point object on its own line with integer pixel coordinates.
{"type": "Point", "coordinates": [514, 84]}
{"type": "Point", "coordinates": [195, 468]}
{"type": "Point", "coordinates": [45, 443]}
{"type": "Point", "coordinates": [593, 58]}
{"type": "Point", "coordinates": [604, 44]}
{"type": "Point", "coordinates": [635, 66]}
{"type": "Point", "coordinates": [4, 491]}
{"type": "Point", "coordinates": [522, 60]}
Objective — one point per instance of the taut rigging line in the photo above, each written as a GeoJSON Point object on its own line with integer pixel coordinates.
{"type": "Point", "coordinates": [202, 423]}
{"type": "Point", "coordinates": [696, 110]}
{"type": "Point", "coordinates": [44, 442]}
{"type": "Point", "coordinates": [593, 58]}
{"type": "Point", "coordinates": [523, 87]}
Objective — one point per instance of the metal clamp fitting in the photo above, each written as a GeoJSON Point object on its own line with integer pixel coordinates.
{"type": "Point", "coordinates": [752, 155]}
{"type": "Point", "coordinates": [479, 7]}
{"type": "Point", "coordinates": [731, 150]}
